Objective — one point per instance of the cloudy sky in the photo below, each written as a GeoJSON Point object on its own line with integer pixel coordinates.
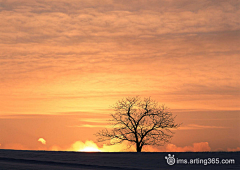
{"type": "Point", "coordinates": [64, 62]}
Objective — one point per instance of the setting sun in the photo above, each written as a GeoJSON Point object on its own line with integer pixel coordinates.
{"type": "Point", "coordinates": [90, 149]}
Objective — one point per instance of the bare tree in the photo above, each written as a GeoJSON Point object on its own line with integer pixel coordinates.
{"type": "Point", "coordinates": [140, 122]}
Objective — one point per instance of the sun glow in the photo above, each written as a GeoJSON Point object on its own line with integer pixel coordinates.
{"type": "Point", "coordinates": [88, 146]}
{"type": "Point", "coordinates": [90, 149]}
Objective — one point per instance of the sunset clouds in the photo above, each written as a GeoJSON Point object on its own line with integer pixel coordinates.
{"type": "Point", "coordinates": [195, 147]}
{"type": "Point", "coordinates": [43, 141]}
{"type": "Point", "coordinates": [77, 57]}
{"type": "Point", "coordinates": [89, 145]}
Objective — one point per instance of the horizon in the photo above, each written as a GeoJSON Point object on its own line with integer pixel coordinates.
{"type": "Point", "coordinates": [115, 152]}
{"type": "Point", "coordinates": [64, 63]}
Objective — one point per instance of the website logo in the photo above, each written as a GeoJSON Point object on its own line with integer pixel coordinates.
{"type": "Point", "coordinates": [170, 159]}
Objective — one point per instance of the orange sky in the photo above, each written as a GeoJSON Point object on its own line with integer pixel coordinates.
{"type": "Point", "coordinates": [63, 63]}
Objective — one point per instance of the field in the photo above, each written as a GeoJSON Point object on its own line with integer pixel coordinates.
{"type": "Point", "coordinates": [35, 160]}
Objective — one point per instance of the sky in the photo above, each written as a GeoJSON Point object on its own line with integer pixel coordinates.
{"type": "Point", "coordinates": [63, 63]}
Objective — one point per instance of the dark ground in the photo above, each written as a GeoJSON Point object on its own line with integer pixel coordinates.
{"type": "Point", "coordinates": [35, 160]}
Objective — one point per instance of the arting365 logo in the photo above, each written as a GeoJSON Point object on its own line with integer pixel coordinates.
{"type": "Point", "coordinates": [170, 159]}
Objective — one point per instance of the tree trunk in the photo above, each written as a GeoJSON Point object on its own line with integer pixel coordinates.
{"type": "Point", "coordinates": [139, 148]}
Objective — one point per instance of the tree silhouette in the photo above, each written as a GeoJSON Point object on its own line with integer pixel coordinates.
{"type": "Point", "coordinates": [140, 122]}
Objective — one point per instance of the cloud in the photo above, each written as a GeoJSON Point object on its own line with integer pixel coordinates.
{"type": "Point", "coordinates": [76, 146]}
{"type": "Point", "coordinates": [92, 122]}
{"type": "Point", "coordinates": [81, 146]}
{"type": "Point", "coordinates": [91, 145]}
{"type": "Point", "coordinates": [196, 126]}
{"type": "Point", "coordinates": [150, 35]}
{"type": "Point", "coordinates": [43, 141]}
{"type": "Point", "coordinates": [51, 23]}
{"type": "Point", "coordinates": [196, 147]}
{"type": "Point", "coordinates": [233, 149]}
{"type": "Point", "coordinates": [90, 126]}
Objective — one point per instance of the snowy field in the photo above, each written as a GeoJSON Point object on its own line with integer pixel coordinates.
{"type": "Point", "coordinates": [35, 160]}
